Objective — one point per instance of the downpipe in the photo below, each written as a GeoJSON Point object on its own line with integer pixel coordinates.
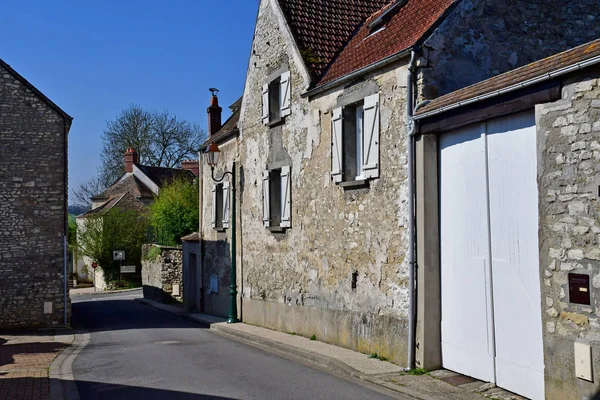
{"type": "Point", "coordinates": [411, 211]}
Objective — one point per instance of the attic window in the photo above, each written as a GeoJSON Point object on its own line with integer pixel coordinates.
{"type": "Point", "coordinates": [379, 23]}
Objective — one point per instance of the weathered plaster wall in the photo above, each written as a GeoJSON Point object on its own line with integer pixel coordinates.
{"type": "Point", "coordinates": [569, 178]}
{"type": "Point", "coordinates": [216, 244]}
{"type": "Point", "coordinates": [162, 268]}
{"type": "Point", "coordinates": [300, 280]}
{"type": "Point", "coordinates": [32, 208]}
{"type": "Point", "coordinates": [483, 38]}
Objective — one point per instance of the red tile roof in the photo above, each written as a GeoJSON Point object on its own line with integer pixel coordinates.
{"type": "Point", "coordinates": [517, 76]}
{"type": "Point", "coordinates": [322, 27]}
{"type": "Point", "coordinates": [407, 25]}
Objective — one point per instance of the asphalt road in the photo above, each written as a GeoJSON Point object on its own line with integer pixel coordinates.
{"type": "Point", "coordinates": [137, 352]}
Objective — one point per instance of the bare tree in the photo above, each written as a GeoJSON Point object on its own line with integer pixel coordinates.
{"type": "Point", "coordinates": [81, 196]}
{"type": "Point", "coordinates": [160, 139]}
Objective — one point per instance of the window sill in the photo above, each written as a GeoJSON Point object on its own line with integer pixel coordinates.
{"type": "Point", "coordinates": [220, 229]}
{"type": "Point", "coordinates": [276, 229]}
{"type": "Point", "coordinates": [357, 184]}
{"type": "Point", "coordinates": [275, 122]}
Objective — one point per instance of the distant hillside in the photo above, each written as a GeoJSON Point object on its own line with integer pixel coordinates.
{"type": "Point", "coordinates": [77, 210]}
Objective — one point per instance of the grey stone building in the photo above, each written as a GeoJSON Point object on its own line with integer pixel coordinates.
{"type": "Point", "coordinates": [33, 205]}
{"type": "Point", "coordinates": [325, 155]}
{"type": "Point", "coordinates": [536, 131]}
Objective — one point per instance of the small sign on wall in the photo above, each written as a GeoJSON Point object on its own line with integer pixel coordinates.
{"type": "Point", "coordinates": [128, 269]}
{"type": "Point", "coordinates": [47, 307]}
{"type": "Point", "coordinates": [214, 284]}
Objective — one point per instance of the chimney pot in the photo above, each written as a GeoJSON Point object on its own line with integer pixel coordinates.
{"type": "Point", "coordinates": [214, 113]}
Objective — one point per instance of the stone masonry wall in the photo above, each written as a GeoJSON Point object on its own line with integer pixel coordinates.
{"type": "Point", "coordinates": [162, 267]}
{"type": "Point", "coordinates": [569, 179]}
{"type": "Point", "coordinates": [483, 38]}
{"type": "Point", "coordinates": [301, 280]}
{"type": "Point", "coordinates": [32, 208]}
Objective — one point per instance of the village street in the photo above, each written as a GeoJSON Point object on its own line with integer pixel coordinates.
{"type": "Point", "coordinates": [137, 352]}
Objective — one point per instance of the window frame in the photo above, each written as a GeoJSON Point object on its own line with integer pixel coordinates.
{"type": "Point", "coordinates": [276, 97]}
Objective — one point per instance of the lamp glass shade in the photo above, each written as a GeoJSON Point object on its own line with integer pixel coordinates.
{"type": "Point", "coordinates": [212, 155]}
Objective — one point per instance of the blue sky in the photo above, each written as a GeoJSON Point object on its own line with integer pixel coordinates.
{"type": "Point", "coordinates": [95, 58]}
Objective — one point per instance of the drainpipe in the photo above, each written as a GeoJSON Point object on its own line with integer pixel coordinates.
{"type": "Point", "coordinates": [200, 271]}
{"type": "Point", "coordinates": [411, 213]}
{"type": "Point", "coordinates": [65, 288]}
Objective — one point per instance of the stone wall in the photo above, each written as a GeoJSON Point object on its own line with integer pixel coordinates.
{"type": "Point", "coordinates": [162, 270]}
{"type": "Point", "coordinates": [33, 208]}
{"type": "Point", "coordinates": [483, 38]}
{"type": "Point", "coordinates": [569, 179]}
{"type": "Point", "coordinates": [301, 279]}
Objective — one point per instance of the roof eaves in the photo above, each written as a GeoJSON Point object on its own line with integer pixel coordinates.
{"type": "Point", "coordinates": [68, 119]}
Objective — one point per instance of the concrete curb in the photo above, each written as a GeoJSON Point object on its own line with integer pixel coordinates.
{"type": "Point", "coordinates": [105, 292]}
{"type": "Point", "coordinates": [220, 327]}
{"type": "Point", "coordinates": [62, 382]}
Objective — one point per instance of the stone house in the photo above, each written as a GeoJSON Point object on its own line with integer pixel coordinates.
{"type": "Point", "coordinates": [333, 235]}
{"type": "Point", "coordinates": [519, 185]}
{"type": "Point", "coordinates": [135, 189]}
{"type": "Point", "coordinates": [33, 206]}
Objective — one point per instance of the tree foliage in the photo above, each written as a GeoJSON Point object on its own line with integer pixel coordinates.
{"type": "Point", "coordinates": [82, 195]}
{"type": "Point", "coordinates": [116, 230]}
{"type": "Point", "coordinates": [159, 137]}
{"type": "Point", "coordinates": [174, 214]}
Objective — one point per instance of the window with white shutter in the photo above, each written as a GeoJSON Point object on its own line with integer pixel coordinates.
{"type": "Point", "coordinates": [213, 220]}
{"type": "Point", "coordinates": [265, 104]}
{"type": "Point", "coordinates": [286, 200]}
{"type": "Point", "coordinates": [370, 151]}
{"type": "Point", "coordinates": [226, 205]}
{"type": "Point", "coordinates": [285, 94]}
{"type": "Point", "coordinates": [336, 145]}
{"type": "Point", "coordinates": [266, 202]}
{"type": "Point", "coordinates": [217, 206]}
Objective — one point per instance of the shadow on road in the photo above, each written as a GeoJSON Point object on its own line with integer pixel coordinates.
{"type": "Point", "coordinates": [98, 390]}
{"type": "Point", "coordinates": [29, 354]}
{"type": "Point", "coordinates": [111, 315]}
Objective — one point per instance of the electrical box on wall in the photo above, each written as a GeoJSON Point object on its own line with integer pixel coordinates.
{"type": "Point", "coordinates": [579, 289]}
{"type": "Point", "coordinates": [583, 361]}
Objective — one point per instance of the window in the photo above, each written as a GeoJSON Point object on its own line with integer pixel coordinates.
{"type": "Point", "coordinates": [277, 198]}
{"type": "Point", "coordinates": [220, 206]}
{"type": "Point", "coordinates": [355, 141]}
{"type": "Point", "coordinates": [277, 99]}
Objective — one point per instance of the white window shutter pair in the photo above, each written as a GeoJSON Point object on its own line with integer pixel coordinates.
{"type": "Point", "coordinates": [370, 165]}
{"type": "Point", "coordinates": [370, 143]}
{"type": "Point", "coordinates": [286, 201]}
{"type": "Point", "coordinates": [285, 94]}
{"type": "Point", "coordinates": [225, 204]}
{"type": "Point", "coordinates": [226, 209]}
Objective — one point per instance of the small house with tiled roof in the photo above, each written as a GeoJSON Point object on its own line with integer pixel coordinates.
{"type": "Point", "coordinates": [33, 206]}
{"type": "Point", "coordinates": [333, 229]}
{"type": "Point", "coordinates": [136, 189]}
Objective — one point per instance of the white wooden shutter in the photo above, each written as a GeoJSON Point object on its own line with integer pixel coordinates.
{"type": "Point", "coordinates": [265, 103]}
{"type": "Point", "coordinates": [336, 144]}
{"type": "Point", "coordinates": [266, 213]}
{"type": "Point", "coordinates": [371, 137]}
{"type": "Point", "coordinates": [285, 94]}
{"type": "Point", "coordinates": [286, 200]}
{"type": "Point", "coordinates": [214, 207]}
{"type": "Point", "coordinates": [225, 204]}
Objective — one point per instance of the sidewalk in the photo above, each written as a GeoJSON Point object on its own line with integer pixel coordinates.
{"type": "Point", "coordinates": [438, 385]}
{"type": "Point", "coordinates": [90, 290]}
{"type": "Point", "coordinates": [25, 359]}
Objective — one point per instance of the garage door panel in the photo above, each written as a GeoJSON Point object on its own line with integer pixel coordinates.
{"type": "Point", "coordinates": [466, 320]}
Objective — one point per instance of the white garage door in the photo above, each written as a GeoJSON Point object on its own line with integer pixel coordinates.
{"type": "Point", "coordinates": [491, 304]}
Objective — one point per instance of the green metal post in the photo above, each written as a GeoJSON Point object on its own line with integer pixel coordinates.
{"type": "Point", "coordinates": [233, 287]}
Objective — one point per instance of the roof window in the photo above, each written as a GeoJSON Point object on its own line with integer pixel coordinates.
{"type": "Point", "coordinates": [379, 23]}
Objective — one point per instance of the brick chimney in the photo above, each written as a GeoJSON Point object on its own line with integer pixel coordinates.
{"type": "Point", "coordinates": [191, 165]}
{"type": "Point", "coordinates": [214, 113]}
{"type": "Point", "coordinates": [130, 157]}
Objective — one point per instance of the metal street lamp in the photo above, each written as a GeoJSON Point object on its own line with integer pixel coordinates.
{"type": "Point", "coordinates": [212, 158]}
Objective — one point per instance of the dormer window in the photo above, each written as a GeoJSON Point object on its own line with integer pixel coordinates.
{"type": "Point", "coordinates": [379, 23]}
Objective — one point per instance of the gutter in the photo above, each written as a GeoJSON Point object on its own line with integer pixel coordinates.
{"type": "Point", "coordinates": [547, 76]}
{"type": "Point", "coordinates": [358, 73]}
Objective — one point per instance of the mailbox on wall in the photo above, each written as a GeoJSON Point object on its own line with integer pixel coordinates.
{"type": "Point", "coordinates": [579, 289]}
